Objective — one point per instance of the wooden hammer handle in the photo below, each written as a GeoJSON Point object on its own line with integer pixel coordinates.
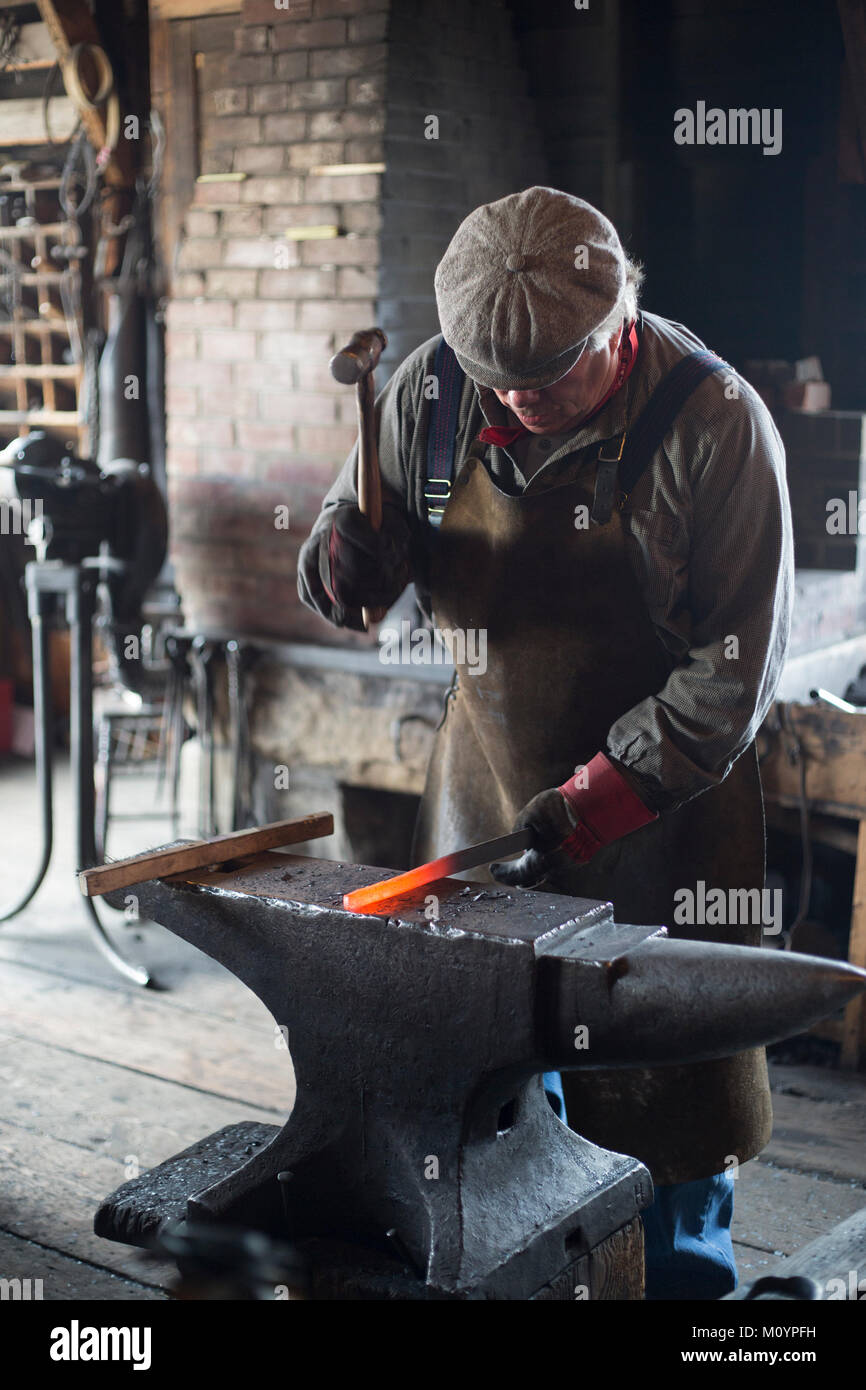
{"type": "Point", "coordinates": [200, 854]}
{"type": "Point", "coordinates": [369, 477]}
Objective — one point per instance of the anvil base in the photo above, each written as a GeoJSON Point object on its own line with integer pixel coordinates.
{"type": "Point", "coordinates": [139, 1211]}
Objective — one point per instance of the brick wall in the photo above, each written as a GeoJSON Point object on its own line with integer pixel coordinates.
{"type": "Point", "coordinates": [460, 130]}
{"type": "Point", "coordinates": [255, 421]}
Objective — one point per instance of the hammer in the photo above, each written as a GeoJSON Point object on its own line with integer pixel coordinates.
{"type": "Point", "coordinates": [354, 365]}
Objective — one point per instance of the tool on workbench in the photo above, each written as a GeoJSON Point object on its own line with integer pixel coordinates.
{"type": "Point", "coordinates": [371, 898]}
{"type": "Point", "coordinates": [421, 1159]}
{"type": "Point", "coordinates": [354, 365]}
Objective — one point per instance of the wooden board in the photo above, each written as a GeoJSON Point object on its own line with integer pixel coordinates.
{"type": "Point", "coordinates": [59, 1278]}
{"type": "Point", "coordinates": [779, 1211]}
{"type": "Point", "coordinates": [34, 49]}
{"type": "Point", "coordinates": [101, 1106]}
{"type": "Point", "coordinates": [22, 120]}
{"type": "Point", "coordinates": [834, 748]}
{"type": "Point", "coordinates": [193, 9]}
{"type": "Point", "coordinates": [838, 1255]}
{"type": "Point", "coordinates": [148, 1035]}
{"type": "Point", "coordinates": [854, 1026]}
{"type": "Point", "coordinates": [172, 92]}
{"type": "Point", "coordinates": [50, 1193]}
{"type": "Point", "coordinates": [162, 863]}
{"type": "Point", "coordinates": [819, 1123]}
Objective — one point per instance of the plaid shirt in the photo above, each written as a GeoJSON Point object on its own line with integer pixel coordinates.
{"type": "Point", "coordinates": [708, 534]}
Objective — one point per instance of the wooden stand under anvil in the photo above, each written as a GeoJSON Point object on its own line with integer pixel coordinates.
{"type": "Point", "coordinates": [421, 1125]}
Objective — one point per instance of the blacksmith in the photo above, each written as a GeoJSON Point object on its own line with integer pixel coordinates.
{"type": "Point", "coordinates": [606, 500]}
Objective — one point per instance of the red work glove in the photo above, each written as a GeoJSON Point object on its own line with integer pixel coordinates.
{"type": "Point", "coordinates": [592, 809]}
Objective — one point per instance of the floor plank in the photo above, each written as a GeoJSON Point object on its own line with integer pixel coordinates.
{"type": "Point", "coordinates": [779, 1211]}
{"type": "Point", "coordinates": [61, 1278]}
{"type": "Point", "coordinates": [49, 1194]}
{"type": "Point", "coordinates": [145, 1033]}
{"type": "Point", "coordinates": [97, 1106]}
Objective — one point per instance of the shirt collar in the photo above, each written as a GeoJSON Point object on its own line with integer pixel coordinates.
{"type": "Point", "coordinates": [609, 423]}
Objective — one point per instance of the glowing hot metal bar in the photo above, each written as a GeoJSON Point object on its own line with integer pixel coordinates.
{"type": "Point", "coordinates": [366, 899]}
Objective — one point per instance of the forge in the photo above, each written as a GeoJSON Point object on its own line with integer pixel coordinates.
{"type": "Point", "coordinates": [422, 1159]}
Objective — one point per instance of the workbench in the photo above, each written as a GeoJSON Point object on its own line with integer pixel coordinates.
{"type": "Point", "coordinates": [815, 756]}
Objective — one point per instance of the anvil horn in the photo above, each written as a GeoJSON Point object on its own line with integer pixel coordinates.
{"type": "Point", "coordinates": [663, 1001]}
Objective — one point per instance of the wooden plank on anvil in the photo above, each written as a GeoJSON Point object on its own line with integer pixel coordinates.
{"type": "Point", "coordinates": [199, 854]}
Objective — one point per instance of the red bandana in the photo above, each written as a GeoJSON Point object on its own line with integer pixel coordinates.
{"type": "Point", "coordinates": [503, 435]}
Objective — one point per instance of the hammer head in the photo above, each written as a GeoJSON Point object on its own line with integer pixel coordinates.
{"type": "Point", "coordinates": [359, 357]}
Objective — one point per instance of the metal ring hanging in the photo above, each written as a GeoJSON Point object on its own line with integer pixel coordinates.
{"type": "Point", "coordinates": [104, 94]}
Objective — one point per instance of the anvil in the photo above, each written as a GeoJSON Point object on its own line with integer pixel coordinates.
{"type": "Point", "coordinates": [419, 1037]}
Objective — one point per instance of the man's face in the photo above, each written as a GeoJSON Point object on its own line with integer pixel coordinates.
{"type": "Point", "coordinates": [559, 408]}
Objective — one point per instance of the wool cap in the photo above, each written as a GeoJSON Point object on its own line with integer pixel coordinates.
{"type": "Point", "coordinates": [522, 285]}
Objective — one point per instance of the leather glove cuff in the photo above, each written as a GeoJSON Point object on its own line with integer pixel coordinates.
{"type": "Point", "coordinates": [606, 808]}
{"type": "Point", "coordinates": [366, 566]}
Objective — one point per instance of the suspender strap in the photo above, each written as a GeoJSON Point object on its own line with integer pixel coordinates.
{"type": "Point", "coordinates": [622, 462]}
{"type": "Point", "coordinates": [660, 412]}
{"type": "Point", "coordinates": [442, 432]}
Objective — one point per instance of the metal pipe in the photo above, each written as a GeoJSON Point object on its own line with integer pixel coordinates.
{"type": "Point", "coordinates": [37, 602]}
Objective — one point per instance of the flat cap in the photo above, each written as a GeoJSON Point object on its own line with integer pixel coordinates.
{"type": "Point", "coordinates": [522, 285]}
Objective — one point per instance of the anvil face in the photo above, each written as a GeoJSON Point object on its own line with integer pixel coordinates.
{"type": "Point", "coordinates": [447, 905]}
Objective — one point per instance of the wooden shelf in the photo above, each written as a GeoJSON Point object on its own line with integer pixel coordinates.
{"type": "Point", "coordinates": [41, 277]}
{"type": "Point", "coordinates": [34, 391]}
{"type": "Point", "coordinates": [41, 417]}
{"type": "Point", "coordinates": [62, 371]}
{"type": "Point", "coordinates": [23, 186]}
{"type": "Point", "coordinates": [34, 326]}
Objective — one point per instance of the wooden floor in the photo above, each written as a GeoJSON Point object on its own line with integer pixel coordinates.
{"type": "Point", "coordinates": [99, 1078]}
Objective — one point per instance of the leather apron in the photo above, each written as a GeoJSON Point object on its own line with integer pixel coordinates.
{"type": "Point", "coordinates": [570, 648]}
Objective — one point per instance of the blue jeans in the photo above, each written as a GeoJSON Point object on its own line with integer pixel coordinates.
{"type": "Point", "coordinates": [687, 1230]}
{"type": "Point", "coordinates": [553, 1090]}
{"type": "Point", "coordinates": [687, 1235]}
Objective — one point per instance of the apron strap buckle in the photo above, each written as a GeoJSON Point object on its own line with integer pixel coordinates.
{"type": "Point", "coordinates": [436, 495]}
{"type": "Point", "coordinates": [605, 483]}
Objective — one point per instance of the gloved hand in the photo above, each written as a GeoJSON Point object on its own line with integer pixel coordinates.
{"type": "Point", "coordinates": [349, 566]}
{"type": "Point", "coordinates": [592, 809]}
{"type": "Point", "coordinates": [368, 568]}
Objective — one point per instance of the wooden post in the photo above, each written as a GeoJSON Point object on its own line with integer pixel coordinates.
{"type": "Point", "coordinates": [854, 1026]}
{"type": "Point", "coordinates": [69, 22]}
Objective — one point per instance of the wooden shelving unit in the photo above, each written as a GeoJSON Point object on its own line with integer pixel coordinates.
{"type": "Point", "coordinates": [41, 374]}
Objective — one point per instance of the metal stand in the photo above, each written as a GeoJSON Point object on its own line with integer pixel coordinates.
{"type": "Point", "coordinates": [49, 582]}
